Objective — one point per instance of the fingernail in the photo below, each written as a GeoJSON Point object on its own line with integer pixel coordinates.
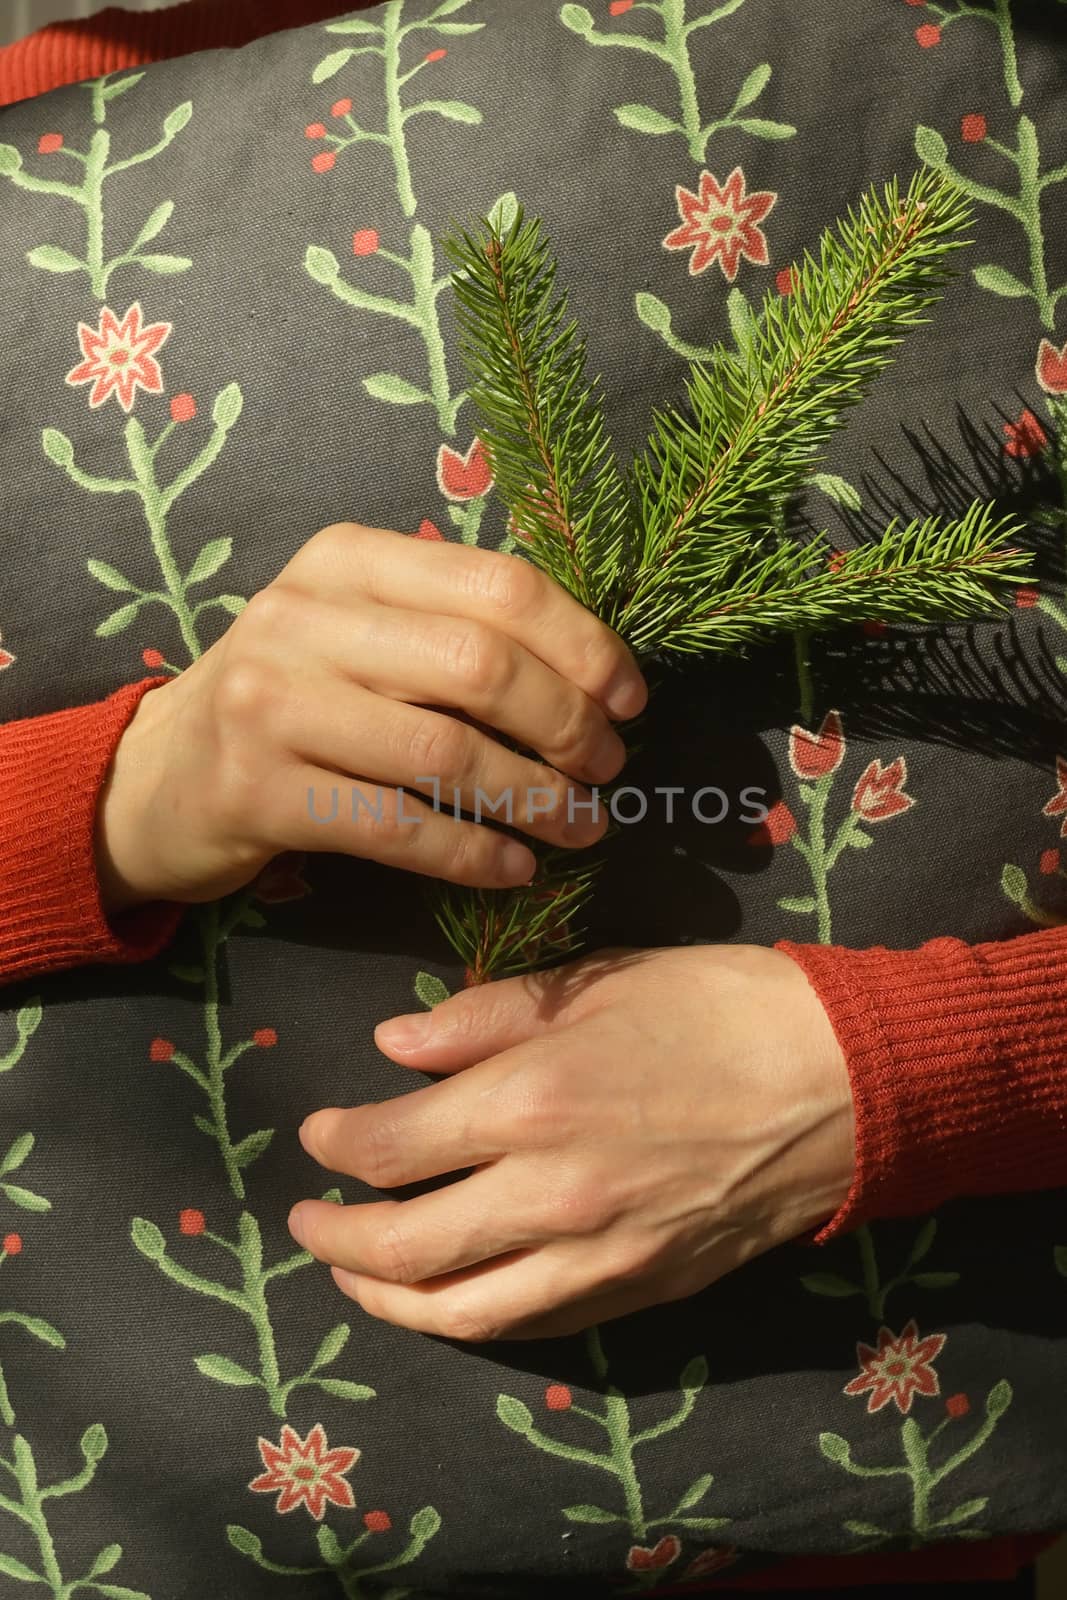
{"type": "Point", "coordinates": [403, 1033]}
{"type": "Point", "coordinates": [517, 864]}
{"type": "Point", "coordinates": [625, 695]}
{"type": "Point", "coordinates": [296, 1224]}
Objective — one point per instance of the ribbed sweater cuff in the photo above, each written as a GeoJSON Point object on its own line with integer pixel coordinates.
{"type": "Point", "coordinates": [113, 40]}
{"type": "Point", "coordinates": [957, 1056]}
{"type": "Point", "coordinates": [53, 770]}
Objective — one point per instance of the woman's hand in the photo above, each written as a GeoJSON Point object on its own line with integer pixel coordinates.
{"type": "Point", "coordinates": [640, 1123]}
{"type": "Point", "coordinates": [325, 685]}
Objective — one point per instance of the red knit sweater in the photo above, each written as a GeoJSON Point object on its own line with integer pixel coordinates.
{"type": "Point", "coordinates": [956, 1052]}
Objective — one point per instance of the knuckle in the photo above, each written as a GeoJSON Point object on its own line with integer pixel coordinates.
{"type": "Point", "coordinates": [440, 745]}
{"type": "Point", "coordinates": [577, 1205]}
{"type": "Point", "coordinates": [245, 691]}
{"type": "Point", "coordinates": [475, 656]}
{"type": "Point", "coordinates": [512, 587]}
{"type": "Point", "coordinates": [470, 1325]}
{"type": "Point", "coordinates": [269, 612]}
{"type": "Point", "coordinates": [392, 1257]}
{"type": "Point", "coordinates": [574, 726]}
{"type": "Point", "coordinates": [388, 831]}
{"type": "Point", "coordinates": [377, 1154]}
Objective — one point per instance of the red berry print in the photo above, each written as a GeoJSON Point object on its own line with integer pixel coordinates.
{"type": "Point", "coordinates": [265, 1038]}
{"type": "Point", "coordinates": [12, 1243]}
{"type": "Point", "coordinates": [1026, 598]}
{"type": "Point", "coordinates": [161, 1050]}
{"type": "Point", "coordinates": [191, 1222]}
{"type": "Point", "coordinates": [928, 35]}
{"type": "Point", "coordinates": [428, 530]}
{"type": "Point", "coordinates": [325, 160]}
{"type": "Point", "coordinates": [618, 8]}
{"type": "Point", "coordinates": [49, 143]}
{"type": "Point", "coordinates": [183, 408]}
{"type": "Point", "coordinates": [436, 55]}
{"type": "Point", "coordinates": [315, 130]}
{"type": "Point", "coordinates": [957, 1405]}
{"type": "Point", "coordinates": [1050, 863]}
{"type": "Point", "coordinates": [377, 1521]}
{"type": "Point", "coordinates": [366, 242]}
{"type": "Point", "coordinates": [558, 1397]}
{"type": "Point", "coordinates": [875, 630]}
{"type": "Point", "coordinates": [152, 658]}
{"type": "Point", "coordinates": [785, 281]}
{"type": "Point", "coordinates": [973, 128]}
{"type": "Point", "coordinates": [340, 108]}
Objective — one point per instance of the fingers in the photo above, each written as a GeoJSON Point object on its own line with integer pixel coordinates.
{"type": "Point", "coordinates": [505, 592]}
{"type": "Point", "coordinates": [344, 727]}
{"type": "Point", "coordinates": [386, 824]}
{"type": "Point", "coordinates": [442, 660]}
{"type": "Point", "coordinates": [475, 1023]}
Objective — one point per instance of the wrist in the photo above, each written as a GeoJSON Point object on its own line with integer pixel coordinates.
{"type": "Point", "coordinates": [127, 873]}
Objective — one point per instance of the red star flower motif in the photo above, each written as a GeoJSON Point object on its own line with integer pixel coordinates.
{"type": "Point", "coordinates": [642, 1558]}
{"type": "Point", "coordinates": [1057, 806]}
{"type": "Point", "coordinates": [879, 793]}
{"type": "Point", "coordinates": [813, 755]}
{"type": "Point", "coordinates": [711, 1560]}
{"type": "Point", "coordinates": [6, 658]}
{"type": "Point", "coordinates": [464, 477]}
{"type": "Point", "coordinates": [282, 879]}
{"type": "Point", "coordinates": [1024, 437]}
{"type": "Point", "coordinates": [898, 1369]}
{"type": "Point", "coordinates": [120, 357]}
{"type": "Point", "coordinates": [720, 223]}
{"type": "Point", "coordinates": [306, 1472]}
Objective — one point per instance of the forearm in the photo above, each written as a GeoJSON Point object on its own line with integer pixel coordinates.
{"type": "Point", "coordinates": [54, 768]}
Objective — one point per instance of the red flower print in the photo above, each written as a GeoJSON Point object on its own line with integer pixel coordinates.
{"type": "Point", "coordinates": [1049, 864]}
{"type": "Point", "coordinates": [898, 1369]}
{"type": "Point", "coordinates": [324, 160]}
{"type": "Point", "coordinates": [1051, 367]}
{"type": "Point", "coordinates": [12, 1243]}
{"type": "Point", "coordinates": [1057, 806]}
{"type": "Point", "coordinates": [153, 658]}
{"type": "Point", "coordinates": [191, 1222]}
{"type": "Point", "coordinates": [721, 224]}
{"type": "Point", "coordinates": [436, 55]}
{"type": "Point", "coordinates": [366, 242]}
{"type": "Point", "coordinates": [778, 827]}
{"type": "Point", "coordinates": [618, 8]}
{"type": "Point", "coordinates": [973, 128]}
{"type": "Point", "coordinates": [837, 560]}
{"type": "Point", "coordinates": [183, 408]}
{"type": "Point", "coordinates": [813, 755]}
{"type": "Point", "coordinates": [6, 658]}
{"type": "Point", "coordinates": [49, 143]}
{"type": "Point", "coordinates": [315, 130]}
{"type": "Point", "coordinates": [558, 1397]}
{"type": "Point", "coordinates": [879, 794]}
{"type": "Point", "coordinates": [161, 1050]}
{"type": "Point", "coordinates": [377, 1521]}
{"type": "Point", "coordinates": [428, 530]}
{"type": "Point", "coordinates": [1026, 597]}
{"type": "Point", "coordinates": [642, 1559]}
{"type": "Point", "coordinates": [1025, 437]}
{"type": "Point", "coordinates": [957, 1405]}
{"type": "Point", "coordinates": [265, 1038]}
{"type": "Point", "coordinates": [928, 35]}
{"type": "Point", "coordinates": [120, 357]}
{"type": "Point", "coordinates": [306, 1471]}
{"type": "Point", "coordinates": [340, 108]}
{"type": "Point", "coordinates": [464, 477]}
{"type": "Point", "coordinates": [709, 1561]}
{"type": "Point", "coordinates": [281, 880]}
{"type": "Point", "coordinates": [914, 2]}
{"type": "Point", "coordinates": [785, 281]}
{"type": "Point", "coordinates": [875, 630]}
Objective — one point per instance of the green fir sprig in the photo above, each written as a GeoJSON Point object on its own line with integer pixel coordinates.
{"type": "Point", "coordinates": [686, 551]}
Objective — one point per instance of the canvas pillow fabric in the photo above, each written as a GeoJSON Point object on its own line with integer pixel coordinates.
{"type": "Point", "coordinates": [189, 1407]}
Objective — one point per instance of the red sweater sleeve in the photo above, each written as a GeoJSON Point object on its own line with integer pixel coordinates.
{"type": "Point", "coordinates": [957, 1056]}
{"type": "Point", "coordinates": [53, 769]}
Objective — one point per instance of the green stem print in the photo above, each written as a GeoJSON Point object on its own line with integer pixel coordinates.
{"type": "Point", "coordinates": [874, 1290]}
{"type": "Point", "coordinates": [27, 1021]}
{"type": "Point", "coordinates": [1051, 366]}
{"type": "Point", "coordinates": [671, 49]}
{"type": "Point", "coordinates": [923, 1477]}
{"type": "Point", "coordinates": [26, 1200]}
{"type": "Point", "coordinates": [1013, 879]}
{"type": "Point", "coordinates": [1023, 199]}
{"type": "Point", "coordinates": [95, 167]}
{"type": "Point", "coordinates": [248, 1296]}
{"type": "Point", "coordinates": [217, 922]}
{"type": "Point", "coordinates": [158, 500]}
{"type": "Point", "coordinates": [339, 1558]}
{"type": "Point", "coordinates": [878, 795]}
{"type": "Point", "coordinates": [617, 1461]}
{"type": "Point", "coordinates": [416, 263]}
{"type": "Point", "coordinates": [29, 1508]}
